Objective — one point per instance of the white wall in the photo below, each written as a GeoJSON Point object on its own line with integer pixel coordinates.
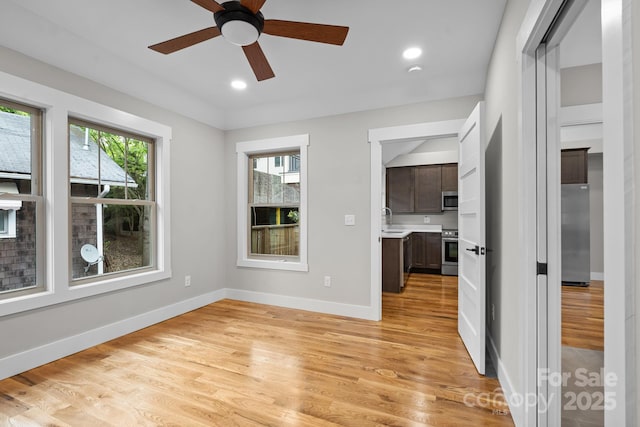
{"type": "Point", "coordinates": [339, 184]}
{"type": "Point", "coordinates": [197, 174]}
{"type": "Point", "coordinates": [502, 105]}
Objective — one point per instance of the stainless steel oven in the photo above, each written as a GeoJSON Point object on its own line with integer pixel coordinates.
{"type": "Point", "coordinates": [449, 253]}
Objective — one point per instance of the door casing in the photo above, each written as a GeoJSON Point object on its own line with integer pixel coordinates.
{"type": "Point", "coordinates": [618, 209]}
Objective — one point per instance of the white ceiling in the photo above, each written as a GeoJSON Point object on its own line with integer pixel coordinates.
{"type": "Point", "coordinates": [106, 41]}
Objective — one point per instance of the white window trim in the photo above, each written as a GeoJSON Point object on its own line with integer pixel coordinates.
{"type": "Point", "coordinates": [58, 107]}
{"type": "Point", "coordinates": [265, 146]}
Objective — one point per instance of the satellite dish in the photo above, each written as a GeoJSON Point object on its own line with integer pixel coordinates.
{"type": "Point", "coordinates": [89, 253]}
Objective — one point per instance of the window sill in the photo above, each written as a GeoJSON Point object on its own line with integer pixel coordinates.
{"type": "Point", "coordinates": [281, 264]}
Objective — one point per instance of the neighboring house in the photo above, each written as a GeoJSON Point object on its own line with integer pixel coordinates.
{"type": "Point", "coordinates": [17, 239]}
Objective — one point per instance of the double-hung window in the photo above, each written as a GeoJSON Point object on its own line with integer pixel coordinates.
{"type": "Point", "coordinates": [272, 203]}
{"type": "Point", "coordinates": [113, 207]}
{"type": "Point", "coordinates": [21, 200]}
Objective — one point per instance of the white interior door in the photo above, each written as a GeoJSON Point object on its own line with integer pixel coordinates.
{"type": "Point", "coordinates": [471, 237]}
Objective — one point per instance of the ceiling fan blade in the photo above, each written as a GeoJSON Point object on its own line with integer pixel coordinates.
{"type": "Point", "coordinates": [332, 34]}
{"type": "Point", "coordinates": [187, 40]}
{"type": "Point", "coordinates": [253, 5]}
{"type": "Point", "coordinates": [258, 61]}
{"type": "Point", "coordinates": [210, 5]}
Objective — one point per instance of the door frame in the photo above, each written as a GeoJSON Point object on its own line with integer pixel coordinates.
{"type": "Point", "coordinates": [618, 202]}
{"type": "Point", "coordinates": [377, 137]}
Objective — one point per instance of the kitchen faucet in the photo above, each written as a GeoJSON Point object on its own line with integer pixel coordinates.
{"type": "Point", "coordinates": [384, 211]}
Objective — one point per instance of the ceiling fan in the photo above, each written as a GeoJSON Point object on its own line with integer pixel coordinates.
{"type": "Point", "coordinates": [241, 23]}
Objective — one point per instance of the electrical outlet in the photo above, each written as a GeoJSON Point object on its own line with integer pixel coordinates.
{"type": "Point", "coordinates": [349, 220]}
{"type": "Point", "coordinates": [493, 312]}
{"type": "Point", "coordinates": [187, 280]}
{"type": "Point", "coordinates": [327, 281]}
{"type": "Point", "coordinates": [427, 220]}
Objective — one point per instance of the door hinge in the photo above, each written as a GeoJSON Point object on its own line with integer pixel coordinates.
{"type": "Point", "coordinates": [541, 268]}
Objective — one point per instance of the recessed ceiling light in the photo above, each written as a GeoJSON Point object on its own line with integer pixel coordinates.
{"type": "Point", "coordinates": [412, 53]}
{"type": "Point", "coordinates": [414, 68]}
{"type": "Point", "coordinates": [238, 85]}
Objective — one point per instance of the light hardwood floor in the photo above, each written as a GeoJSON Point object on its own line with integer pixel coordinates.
{"type": "Point", "coordinates": [235, 363]}
{"type": "Point", "coordinates": [583, 316]}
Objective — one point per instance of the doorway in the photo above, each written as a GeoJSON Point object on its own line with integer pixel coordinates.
{"type": "Point", "coordinates": [390, 136]}
{"type": "Point", "coordinates": [544, 28]}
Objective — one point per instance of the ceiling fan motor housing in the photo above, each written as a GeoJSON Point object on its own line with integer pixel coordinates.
{"type": "Point", "coordinates": [240, 23]}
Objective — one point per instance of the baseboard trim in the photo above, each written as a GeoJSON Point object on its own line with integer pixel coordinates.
{"type": "Point", "coordinates": [20, 362]}
{"type": "Point", "coordinates": [319, 306]}
{"type": "Point", "coordinates": [597, 275]}
{"type": "Point", "coordinates": [510, 394]}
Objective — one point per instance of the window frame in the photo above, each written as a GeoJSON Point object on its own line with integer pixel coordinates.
{"type": "Point", "coordinates": [149, 202]}
{"type": "Point", "coordinates": [244, 151]}
{"type": "Point", "coordinates": [57, 107]}
{"type": "Point", "coordinates": [36, 196]}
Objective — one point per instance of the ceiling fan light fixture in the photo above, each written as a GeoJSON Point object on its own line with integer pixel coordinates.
{"type": "Point", "coordinates": [238, 24]}
{"type": "Point", "coordinates": [240, 33]}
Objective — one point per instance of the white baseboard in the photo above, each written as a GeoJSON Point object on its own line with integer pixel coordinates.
{"type": "Point", "coordinates": [596, 275]}
{"type": "Point", "coordinates": [505, 382]}
{"type": "Point", "coordinates": [327, 307]}
{"type": "Point", "coordinates": [17, 363]}
{"type": "Point", "coordinates": [21, 362]}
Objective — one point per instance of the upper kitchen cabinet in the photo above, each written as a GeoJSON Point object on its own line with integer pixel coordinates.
{"type": "Point", "coordinates": [574, 166]}
{"type": "Point", "coordinates": [450, 177]}
{"type": "Point", "coordinates": [400, 189]}
{"type": "Point", "coordinates": [418, 189]}
{"type": "Point", "coordinates": [428, 189]}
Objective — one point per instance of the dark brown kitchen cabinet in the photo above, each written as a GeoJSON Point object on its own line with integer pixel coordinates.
{"type": "Point", "coordinates": [427, 251]}
{"type": "Point", "coordinates": [400, 192]}
{"type": "Point", "coordinates": [428, 189]}
{"type": "Point", "coordinates": [574, 166]}
{"type": "Point", "coordinates": [450, 177]}
{"type": "Point", "coordinates": [392, 265]}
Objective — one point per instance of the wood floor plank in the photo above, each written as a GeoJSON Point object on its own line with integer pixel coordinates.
{"type": "Point", "coordinates": [583, 316]}
{"type": "Point", "coordinates": [235, 363]}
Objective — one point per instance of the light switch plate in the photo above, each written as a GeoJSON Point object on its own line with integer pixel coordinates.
{"type": "Point", "coordinates": [349, 220]}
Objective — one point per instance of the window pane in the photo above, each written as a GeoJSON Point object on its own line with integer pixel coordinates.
{"type": "Point", "coordinates": [18, 255]}
{"type": "Point", "coordinates": [4, 221]}
{"type": "Point", "coordinates": [120, 238]}
{"type": "Point", "coordinates": [105, 164]}
{"type": "Point", "coordinates": [20, 152]}
{"type": "Point", "coordinates": [274, 182]}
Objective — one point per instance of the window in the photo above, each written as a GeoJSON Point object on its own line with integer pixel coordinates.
{"type": "Point", "coordinates": [21, 200]}
{"type": "Point", "coordinates": [113, 205]}
{"type": "Point", "coordinates": [4, 223]}
{"type": "Point", "coordinates": [91, 194]}
{"type": "Point", "coordinates": [274, 205]}
{"type": "Point", "coordinates": [294, 163]}
{"type": "Point", "coordinates": [272, 225]}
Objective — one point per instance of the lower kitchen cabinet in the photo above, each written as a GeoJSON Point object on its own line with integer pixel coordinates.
{"type": "Point", "coordinates": [392, 265]}
{"type": "Point", "coordinates": [427, 251]}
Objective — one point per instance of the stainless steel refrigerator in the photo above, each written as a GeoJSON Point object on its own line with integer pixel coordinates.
{"type": "Point", "coordinates": [576, 255]}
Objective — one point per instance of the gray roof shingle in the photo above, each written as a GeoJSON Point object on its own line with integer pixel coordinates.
{"type": "Point", "coordinates": [15, 154]}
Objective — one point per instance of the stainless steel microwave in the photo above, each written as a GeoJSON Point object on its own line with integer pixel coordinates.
{"type": "Point", "coordinates": [449, 200]}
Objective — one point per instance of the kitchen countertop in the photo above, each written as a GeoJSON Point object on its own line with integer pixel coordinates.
{"type": "Point", "coordinates": [402, 231]}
